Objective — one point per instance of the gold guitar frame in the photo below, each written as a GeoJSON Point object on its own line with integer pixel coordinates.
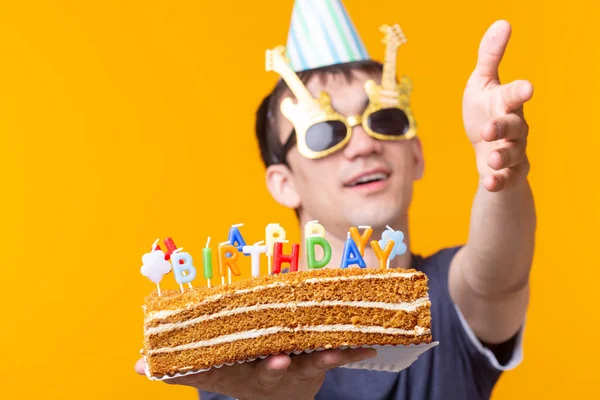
{"type": "Point", "coordinates": [309, 111]}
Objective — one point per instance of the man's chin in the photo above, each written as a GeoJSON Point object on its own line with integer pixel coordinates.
{"type": "Point", "coordinates": [376, 217]}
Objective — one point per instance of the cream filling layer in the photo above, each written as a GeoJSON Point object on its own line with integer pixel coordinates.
{"type": "Point", "coordinates": [255, 333]}
{"type": "Point", "coordinates": [361, 277]}
{"type": "Point", "coordinates": [409, 307]}
{"type": "Point", "coordinates": [167, 313]}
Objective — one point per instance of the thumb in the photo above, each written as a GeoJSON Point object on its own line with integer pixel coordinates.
{"type": "Point", "coordinates": [491, 50]}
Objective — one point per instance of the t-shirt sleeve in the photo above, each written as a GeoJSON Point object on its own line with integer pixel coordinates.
{"type": "Point", "coordinates": [505, 356]}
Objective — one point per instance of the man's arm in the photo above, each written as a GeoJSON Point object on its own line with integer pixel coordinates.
{"type": "Point", "coordinates": [489, 276]}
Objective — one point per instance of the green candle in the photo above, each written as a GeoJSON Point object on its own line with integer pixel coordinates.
{"type": "Point", "coordinates": [207, 260]}
{"type": "Point", "coordinates": [313, 241]}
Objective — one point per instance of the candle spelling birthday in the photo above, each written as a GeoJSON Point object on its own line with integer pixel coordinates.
{"type": "Point", "coordinates": [282, 258]}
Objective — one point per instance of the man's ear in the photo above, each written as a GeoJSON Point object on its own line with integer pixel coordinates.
{"type": "Point", "coordinates": [418, 159]}
{"type": "Point", "coordinates": [281, 185]}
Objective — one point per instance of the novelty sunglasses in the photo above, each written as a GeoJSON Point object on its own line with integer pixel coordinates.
{"type": "Point", "coordinates": [320, 131]}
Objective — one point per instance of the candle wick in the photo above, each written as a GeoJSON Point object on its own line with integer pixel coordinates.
{"type": "Point", "coordinates": [208, 242]}
{"type": "Point", "coordinates": [154, 245]}
{"type": "Point", "coordinates": [389, 227]}
{"type": "Point", "coordinates": [237, 225]}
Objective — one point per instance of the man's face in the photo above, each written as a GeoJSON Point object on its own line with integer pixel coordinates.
{"type": "Point", "coordinates": [368, 182]}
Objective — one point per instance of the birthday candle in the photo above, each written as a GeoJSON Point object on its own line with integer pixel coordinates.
{"type": "Point", "coordinates": [207, 261]}
{"type": "Point", "coordinates": [170, 245]}
{"type": "Point", "coordinates": [255, 251]}
{"type": "Point", "coordinates": [382, 255]}
{"type": "Point", "coordinates": [228, 262]}
{"type": "Point", "coordinates": [154, 265]}
{"type": "Point", "coordinates": [235, 237]}
{"type": "Point", "coordinates": [313, 241]}
{"type": "Point", "coordinates": [361, 240]}
{"type": "Point", "coordinates": [398, 237]}
{"type": "Point", "coordinates": [313, 228]}
{"type": "Point", "coordinates": [280, 258]}
{"type": "Point", "coordinates": [273, 233]}
{"type": "Point", "coordinates": [351, 254]}
{"type": "Point", "coordinates": [183, 269]}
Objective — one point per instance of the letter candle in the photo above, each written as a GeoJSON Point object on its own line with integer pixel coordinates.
{"type": "Point", "coordinates": [183, 269]}
{"type": "Point", "coordinates": [280, 258]}
{"type": "Point", "coordinates": [273, 233]}
{"type": "Point", "coordinates": [170, 245]}
{"type": "Point", "coordinates": [383, 255]}
{"type": "Point", "coordinates": [351, 254]}
{"type": "Point", "coordinates": [228, 262]}
{"type": "Point", "coordinates": [235, 237]}
{"type": "Point", "coordinates": [207, 261]}
{"type": "Point", "coordinates": [313, 228]}
{"type": "Point", "coordinates": [315, 236]}
{"type": "Point", "coordinates": [361, 240]}
{"type": "Point", "coordinates": [255, 251]}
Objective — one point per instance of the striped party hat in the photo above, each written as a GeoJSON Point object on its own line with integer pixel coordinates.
{"type": "Point", "coordinates": [321, 34]}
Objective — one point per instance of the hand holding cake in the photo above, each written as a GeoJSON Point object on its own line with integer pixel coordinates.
{"type": "Point", "coordinates": [276, 377]}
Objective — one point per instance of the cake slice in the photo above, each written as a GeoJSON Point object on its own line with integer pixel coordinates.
{"type": "Point", "coordinates": [293, 312]}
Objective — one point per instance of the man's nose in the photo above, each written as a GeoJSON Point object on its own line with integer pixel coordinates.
{"type": "Point", "coordinates": [360, 144]}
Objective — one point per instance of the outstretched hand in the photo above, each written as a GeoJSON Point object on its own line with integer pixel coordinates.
{"type": "Point", "coordinates": [276, 377]}
{"type": "Point", "coordinates": [493, 115]}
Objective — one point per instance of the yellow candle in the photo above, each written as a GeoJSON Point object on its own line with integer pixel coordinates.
{"type": "Point", "coordinates": [361, 240]}
{"type": "Point", "coordinates": [313, 228]}
{"type": "Point", "coordinates": [382, 255]}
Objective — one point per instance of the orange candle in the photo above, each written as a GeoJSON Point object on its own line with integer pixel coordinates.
{"type": "Point", "coordinates": [228, 263]}
{"type": "Point", "coordinates": [382, 255]}
{"type": "Point", "coordinates": [361, 240]}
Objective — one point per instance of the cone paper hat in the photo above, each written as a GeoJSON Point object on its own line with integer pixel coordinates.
{"type": "Point", "coordinates": [321, 34]}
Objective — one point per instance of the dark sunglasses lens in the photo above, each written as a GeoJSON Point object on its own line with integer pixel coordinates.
{"type": "Point", "coordinates": [325, 135]}
{"type": "Point", "coordinates": [389, 121]}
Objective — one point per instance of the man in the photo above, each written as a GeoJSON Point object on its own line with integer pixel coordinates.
{"type": "Point", "coordinates": [364, 176]}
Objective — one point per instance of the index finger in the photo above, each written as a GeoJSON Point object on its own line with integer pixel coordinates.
{"type": "Point", "coordinates": [270, 370]}
{"type": "Point", "coordinates": [491, 50]}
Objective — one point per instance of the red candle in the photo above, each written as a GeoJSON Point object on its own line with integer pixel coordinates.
{"type": "Point", "coordinates": [170, 248]}
{"type": "Point", "coordinates": [280, 258]}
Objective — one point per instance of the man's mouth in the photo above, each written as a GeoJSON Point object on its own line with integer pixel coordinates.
{"type": "Point", "coordinates": [367, 179]}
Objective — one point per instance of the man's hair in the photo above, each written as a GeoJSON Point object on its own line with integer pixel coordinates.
{"type": "Point", "coordinates": [267, 135]}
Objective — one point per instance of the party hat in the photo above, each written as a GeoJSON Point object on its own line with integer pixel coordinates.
{"type": "Point", "coordinates": [321, 34]}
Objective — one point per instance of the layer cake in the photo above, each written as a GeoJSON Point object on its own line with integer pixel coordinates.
{"type": "Point", "coordinates": [292, 312]}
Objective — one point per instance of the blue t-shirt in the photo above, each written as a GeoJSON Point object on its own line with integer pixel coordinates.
{"type": "Point", "coordinates": [460, 367]}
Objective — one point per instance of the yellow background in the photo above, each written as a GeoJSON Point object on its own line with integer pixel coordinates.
{"type": "Point", "coordinates": [124, 121]}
